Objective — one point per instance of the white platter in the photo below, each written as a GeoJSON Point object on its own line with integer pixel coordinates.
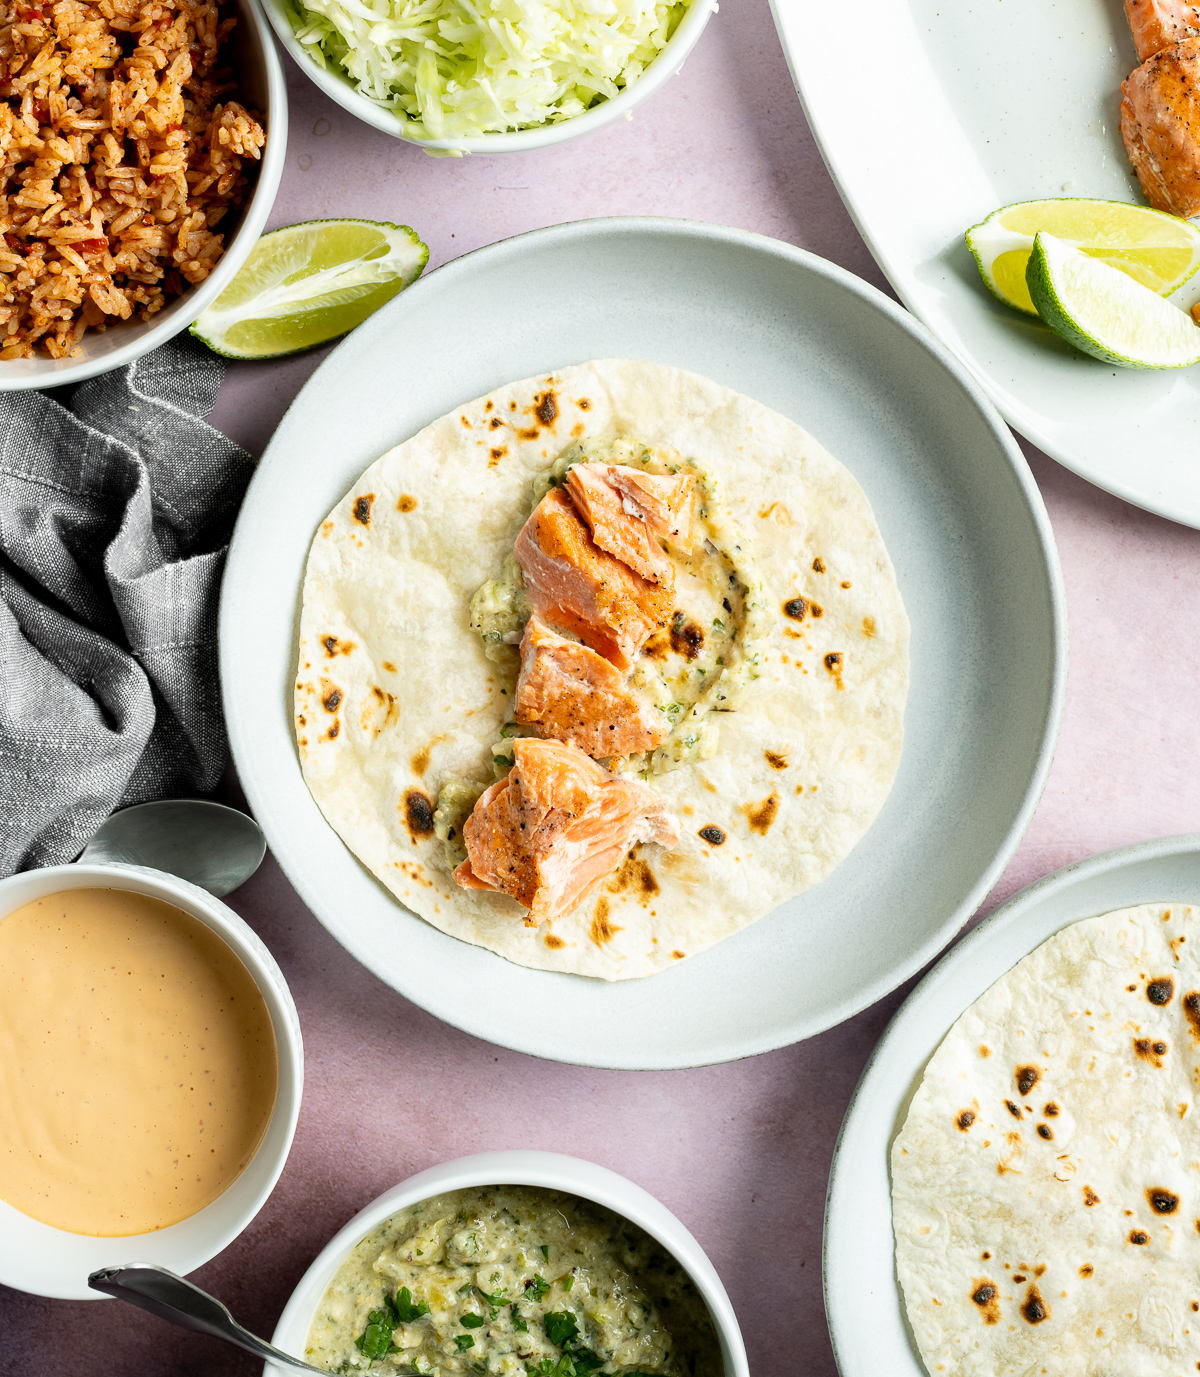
{"type": "Point", "coordinates": [959, 512]}
{"type": "Point", "coordinates": [862, 1296]}
{"type": "Point", "coordinates": [979, 104]}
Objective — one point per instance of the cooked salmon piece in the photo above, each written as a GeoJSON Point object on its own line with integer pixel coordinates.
{"type": "Point", "coordinates": [1160, 124]}
{"type": "Point", "coordinates": [623, 533]}
{"type": "Point", "coordinates": [1157, 24]}
{"type": "Point", "coordinates": [555, 826]}
{"type": "Point", "coordinates": [665, 502]}
{"type": "Point", "coordinates": [570, 693]}
{"type": "Point", "coordinates": [573, 584]}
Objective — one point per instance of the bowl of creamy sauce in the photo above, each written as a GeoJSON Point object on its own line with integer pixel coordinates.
{"type": "Point", "coordinates": [563, 1269]}
{"type": "Point", "coordinates": [150, 1074]}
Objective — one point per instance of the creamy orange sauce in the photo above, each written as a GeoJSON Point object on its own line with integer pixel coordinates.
{"type": "Point", "coordinates": [138, 1066]}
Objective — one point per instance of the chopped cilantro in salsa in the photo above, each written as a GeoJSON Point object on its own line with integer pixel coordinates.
{"type": "Point", "coordinates": [539, 1286]}
{"type": "Point", "coordinates": [376, 1340]}
{"type": "Point", "coordinates": [463, 1341]}
{"type": "Point", "coordinates": [471, 1321]}
{"type": "Point", "coordinates": [561, 1326]}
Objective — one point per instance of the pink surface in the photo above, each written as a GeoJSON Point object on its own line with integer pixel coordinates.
{"type": "Point", "coordinates": [739, 1152]}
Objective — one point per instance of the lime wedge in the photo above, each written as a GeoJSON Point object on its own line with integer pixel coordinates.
{"type": "Point", "coordinates": [307, 284]}
{"type": "Point", "coordinates": [1160, 251]}
{"type": "Point", "coordinates": [1104, 312]}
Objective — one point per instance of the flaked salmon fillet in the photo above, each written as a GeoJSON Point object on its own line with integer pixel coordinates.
{"type": "Point", "coordinates": [571, 583]}
{"type": "Point", "coordinates": [626, 511]}
{"type": "Point", "coordinates": [553, 828]}
{"type": "Point", "coordinates": [571, 694]}
{"type": "Point", "coordinates": [1157, 24]}
{"type": "Point", "coordinates": [1160, 124]}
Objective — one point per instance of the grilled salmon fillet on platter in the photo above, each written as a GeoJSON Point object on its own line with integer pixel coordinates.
{"type": "Point", "coordinates": [1160, 105]}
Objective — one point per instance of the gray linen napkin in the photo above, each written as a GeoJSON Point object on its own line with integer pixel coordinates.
{"type": "Point", "coordinates": [116, 505]}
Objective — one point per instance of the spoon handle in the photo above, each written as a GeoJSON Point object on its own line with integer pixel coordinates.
{"type": "Point", "coordinates": [172, 1298]}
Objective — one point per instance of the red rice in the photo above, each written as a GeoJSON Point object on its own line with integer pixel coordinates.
{"type": "Point", "coordinates": [120, 158]}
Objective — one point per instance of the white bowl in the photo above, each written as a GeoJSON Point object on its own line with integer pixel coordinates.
{"type": "Point", "coordinates": [46, 1261]}
{"type": "Point", "coordinates": [340, 89]}
{"type": "Point", "coordinates": [520, 1168]}
{"type": "Point", "coordinates": [261, 85]}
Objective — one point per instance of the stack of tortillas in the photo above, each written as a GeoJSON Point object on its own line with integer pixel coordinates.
{"type": "Point", "coordinates": [1046, 1182]}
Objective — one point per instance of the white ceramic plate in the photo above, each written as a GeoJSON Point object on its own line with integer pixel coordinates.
{"type": "Point", "coordinates": [862, 1296]}
{"type": "Point", "coordinates": [960, 515]}
{"type": "Point", "coordinates": [991, 103]}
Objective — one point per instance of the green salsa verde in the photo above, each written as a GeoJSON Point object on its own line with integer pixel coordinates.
{"type": "Point", "coordinates": [512, 1281]}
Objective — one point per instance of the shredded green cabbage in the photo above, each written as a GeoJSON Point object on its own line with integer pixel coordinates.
{"type": "Point", "coordinates": [458, 68]}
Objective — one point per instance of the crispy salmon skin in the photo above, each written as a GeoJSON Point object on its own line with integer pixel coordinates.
{"type": "Point", "coordinates": [553, 828]}
{"type": "Point", "coordinates": [571, 583]}
{"type": "Point", "coordinates": [568, 692]}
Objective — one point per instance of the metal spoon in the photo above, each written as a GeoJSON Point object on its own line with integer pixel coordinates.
{"type": "Point", "coordinates": [172, 1298]}
{"type": "Point", "coordinates": [214, 847]}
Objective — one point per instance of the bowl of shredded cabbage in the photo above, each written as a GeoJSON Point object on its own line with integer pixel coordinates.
{"type": "Point", "coordinates": [488, 76]}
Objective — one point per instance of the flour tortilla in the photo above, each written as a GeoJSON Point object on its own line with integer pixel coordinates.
{"type": "Point", "coordinates": [394, 696]}
{"type": "Point", "coordinates": [995, 1202]}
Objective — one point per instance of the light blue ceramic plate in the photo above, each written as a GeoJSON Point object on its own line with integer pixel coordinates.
{"type": "Point", "coordinates": [959, 511]}
{"type": "Point", "coordinates": [862, 1296]}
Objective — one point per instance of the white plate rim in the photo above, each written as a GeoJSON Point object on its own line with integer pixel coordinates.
{"type": "Point", "coordinates": [531, 241]}
{"type": "Point", "coordinates": [960, 955]}
{"type": "Point", "coordinates": [1025, 422]}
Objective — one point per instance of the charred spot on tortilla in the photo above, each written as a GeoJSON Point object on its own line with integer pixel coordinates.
{"type": "Point", "coordinates": [584, 404]}
{"type": "Point", "coordinates": [553, 942]}
{"type": "Point", "coordinates": [529, 434]}
{"type": "Point", "coordinates": [1086, 1270]}
{"type": "Point", "coordinates": [406, 503]}
{"type": "Point", "coordinates": [1015, 1109]}
{"type": "Point", "coordinates": [326, 527]}
{"type": "Point", "coordinates": [1090, 1197]}
{"type": "Point", "coordinates": [868, 626]}
{"type": "Point", "coordinates": [712, 834]}
{"type": "Point", "coordinates": [601, 930]}
{"type": "Point", "coordinates": [776, 760]}
{"type": "Point", "coordinates": [679, 955]}
{"type": "Point", "coordinates": [762, 814]}
{"type": "Point", "coordinates": [1027, 1078]}
{"type": "Point", "coordinates": [833, 663]}
{"type": "Point", "coordinates": [391, 668]}
{"type": "Point", "coordinates": [1161, 990]}
{"type": "Point", "coordinates": [964, 1119]}
{"type": "Point", "coordinates": [796, 608]}
{"type": "Point", "coordinates": [331, 696]}
{"type": "Point", "coordinates": [1162, 1201]}
{"type": "Point", "coordinates": [1139, 1237]}
{"type": "Point", "coordinates": [497, 455]}
{"type": "Point", "coordinates": [687, 639]}
{"type": "Point", "coordinates": [1191, 1007]}
{"type": "Point", "coordinates": [418, 813]}
{"type": "Point", "coordinates": [818, 565]}
{"type": "Point", "coordinates": [1035, 1309]}
{"type": "Point", "coordinates": [634, 873]}
{"type": "Point", "coordinates": [986, 1295]}
{"type": "Point", "coordinates": [334, 727]}
{"type": "Point", "coordinates": [1051, 1111]}
{"type": "Point", "coordinates": [335, 647]}
{"type": "Point", "coordinates": [546, 408]}
{"type": "Point", "coordinates": [1150, 1051]}
{"type": "Point", "coordinates": [362, 508]}
{"type": "Point", "coordinates": [1045, 1131]}
{"type": "Point", "coordinates": [815, 609]}
{"type": "Point", "coordinates": [420, 760]}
